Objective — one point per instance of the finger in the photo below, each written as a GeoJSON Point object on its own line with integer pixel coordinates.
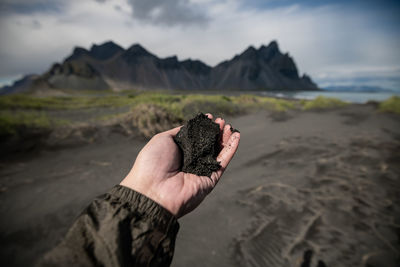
{"type": "Point", "coordinates": [226, 133]}
{"type": "Point", "coordinates": [227, 153]}
{"type": "Point", "coordinates": [173, 131]}
{"type": "Point", "coordinates": [209, 115]}
{"type": "Point", "coordinates": [221, 123]}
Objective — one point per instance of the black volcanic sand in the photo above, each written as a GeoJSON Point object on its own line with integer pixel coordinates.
{"type": "Point", "coordinates": [326, 182]}
{"type": "Point", "coordinates": [199, 141]}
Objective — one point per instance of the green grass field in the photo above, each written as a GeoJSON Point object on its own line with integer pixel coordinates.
{"type": "Point", "coordinates": [25, 111]}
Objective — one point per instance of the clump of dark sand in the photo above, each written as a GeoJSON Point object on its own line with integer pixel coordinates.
{"type": "Point", "coordinates": [199, 142]}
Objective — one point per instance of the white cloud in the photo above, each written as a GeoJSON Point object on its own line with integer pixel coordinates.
{"type": "Point", "coordinates": [324, 41]}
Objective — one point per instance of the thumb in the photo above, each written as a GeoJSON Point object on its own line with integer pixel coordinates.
{"type": "Point", "coordinates": [173, 131]}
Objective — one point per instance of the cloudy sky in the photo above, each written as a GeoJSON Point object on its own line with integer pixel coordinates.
{"type": "Point", "coordinates": [338, 42]}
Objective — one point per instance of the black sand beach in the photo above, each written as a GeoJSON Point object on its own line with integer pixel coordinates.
{"type": "Point", "coordinates": [321, 180]}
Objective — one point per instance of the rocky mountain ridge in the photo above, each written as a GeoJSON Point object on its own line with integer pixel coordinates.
{"type": "Point", "coordinates": [110, 67]}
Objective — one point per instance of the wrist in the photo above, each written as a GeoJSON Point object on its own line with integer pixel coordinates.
{"type": "Point", "coordinates": [147, 191]}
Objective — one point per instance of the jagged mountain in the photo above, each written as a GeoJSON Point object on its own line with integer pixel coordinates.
{"type": "Point", "coordinates": [109, 66]}
{"type": "Point", "coordinates": [263, 68]}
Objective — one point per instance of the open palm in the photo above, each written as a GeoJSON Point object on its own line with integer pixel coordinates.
{"type": "Point", "coordinates": [156, 172]}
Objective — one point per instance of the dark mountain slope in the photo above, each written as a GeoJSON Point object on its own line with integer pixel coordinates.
{"type": "Point", "coordinates": [109, 66]}
{"type": "Point", "coordinates": [265, 68]}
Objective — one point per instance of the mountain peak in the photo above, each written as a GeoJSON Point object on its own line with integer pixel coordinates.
{"type": "Point", "coordinates": [105, 50]}
{"type": "Point", "coordinates": [270, 51]}
{"type": "Point", "coordinates": [250, 49]}
{"type": "Point", "coordinates": [249, 53]}
{"type": "Point", "coordinates": [108, 44]}
{"type": "Point", "coordinates": [134, 54]}
{"type": "Point", "coordinates": [102, 52]}
{"type": "Point", "coordinates": [77, 53]}
{"type": "Point", "coordinates": [138, 50]}
{"type": "Point", "coordinates": [273, 45]}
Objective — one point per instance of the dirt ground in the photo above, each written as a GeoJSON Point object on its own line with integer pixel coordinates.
{"type": "Point", "coordinates": [323, 180]}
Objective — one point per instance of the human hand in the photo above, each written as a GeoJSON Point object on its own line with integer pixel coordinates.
{"type": "Point", "coordinates": [156, 171]}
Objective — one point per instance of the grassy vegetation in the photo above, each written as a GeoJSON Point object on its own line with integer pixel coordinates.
{"type": "Point", "coordinates": [175, 103]}
{"type": "Point", "coordinates": [151, 119]}
{"type": "Point", "coordinates": [322, 102]}
{"type": "Point", "coordinates": [147, 110]}
{"type": "Point", "coordinates": [185, 106]}
{"type": "Point", "coordinates": [390, 105]}
{"type": "Point", "coordinates": [15, 123]}
{"type": "Point", "coordinates": [57, 103]}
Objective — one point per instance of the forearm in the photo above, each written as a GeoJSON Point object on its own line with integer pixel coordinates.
{"type": "Point", "coordinates": [120, 228]}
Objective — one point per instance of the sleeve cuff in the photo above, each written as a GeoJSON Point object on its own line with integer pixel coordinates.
{"type": "Point", "coordinates": [145, 206]}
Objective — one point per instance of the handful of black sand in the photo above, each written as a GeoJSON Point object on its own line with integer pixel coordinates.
{"type": "Point", "coordinates": [199, 141]}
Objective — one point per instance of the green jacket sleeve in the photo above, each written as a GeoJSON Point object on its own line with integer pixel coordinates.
{"type": "Point", "coordinates": [120, 228]}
